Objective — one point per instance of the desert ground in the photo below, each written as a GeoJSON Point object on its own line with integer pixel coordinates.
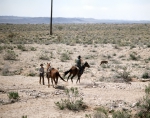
{"type": "Point", "coordinates": [101, 85]}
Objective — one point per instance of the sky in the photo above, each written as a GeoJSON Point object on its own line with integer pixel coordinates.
{"type": "Point", "coordinates": [98, 9]}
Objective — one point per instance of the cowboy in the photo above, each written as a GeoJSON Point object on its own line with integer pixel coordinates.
{"type": "Point", "coordinates": [41, 71]}
{"type": "Point", "coordinates": [79, 64]}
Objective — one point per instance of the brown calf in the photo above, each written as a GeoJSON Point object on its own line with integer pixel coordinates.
{"type": "Point", "coordinates": [103, 62]}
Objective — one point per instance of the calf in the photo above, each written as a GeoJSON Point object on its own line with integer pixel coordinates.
{"type": "Point", "coordinates": [103, 62]}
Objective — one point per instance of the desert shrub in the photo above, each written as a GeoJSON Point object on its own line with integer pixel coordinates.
{"type": "Point", "coordinates": [121, 114]}
{"type": "Point", "coordinates": [88, 116]}
{"type": "Point", "coordinates": [105, 66]}
{"type": "Point", "coordinates": [133, 57]}
{"type": "Point", "coordinates": [65, 56]}
{"type": "Point", "coordinates": [33, 49]}
{"type": "Point", "coordinates": [92, 63]}
{"type": "Point", "coordinates": [5, 72]}
{"type": "Point", "coordinates": [61, 105]}
{"type": "Point", "coordinates": [1, 48]}
{"type": "Point", "coordinates": [32, 74]}
{"type": "Point", "coordinates": [10, 55]}
{"type": "Point", "coordinates": [89, 56]}
{"type": "Point", "coordinates": [99, 115]}
{"type": "Point", "coordinates": [44, 57]}
{"type": "Point", "coordinates": [21, 47]}
{"type": "Point", "coordinates": [125, 75]}
{"type": "Point", "coordinates": [7, 46]}
{"type": "Point", "coordinates": [132, 46]}
{"type": "Point", "coordinates": [11, 35]}
{"type": "Point", "coordinates": [148, 45]}
{"type": "Point", "coordinates": [24, 116]}
{"type": "Point", "coordinates": [147, 90]}
{"type": "Point", "coordinates": [144, 105]}
{"type": "Point", "coordinates": [117, 62]}
{"type": "Point", "coordinates": [60, 27]}
{"type": "Point", "coordinates": [145, 75]}
{"type": "Point", "coordinates": [101, 112]}
{"type": "Point", "coordinates": [73, 102]}
{"type": "Point", "coordinates": [13, 95]}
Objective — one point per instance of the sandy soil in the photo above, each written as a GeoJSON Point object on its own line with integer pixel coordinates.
{"type": "Point", "coordinates": [38, 100]}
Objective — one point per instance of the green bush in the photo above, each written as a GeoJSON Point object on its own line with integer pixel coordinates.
{"type": "Point", "coordinates": [10, 55]}
{"type": "Point", "coordinates": [65, 56]}
{"type": "Point", "coordinates": [32, 74]}
{"type": "Point", "coordinates": [1, 48]}
{"type": "Point", "coordinates": [74, 102]}
{"type": "Point", "coordinates": [21, 47]}
{"type": "Point", "coordinates": [133, 57]}
{"type": "Point", "coordinates": [13, 95]}
{"type": "Point", "coordinates": [61, 104]}
{"type": "Point", "coordinates": [147, 90]}
{"type": "Point", "coordinates": [145, 75]}
{"type": "Point", "coordinates": [100, 115]}
{"type": "Point", "coordinates": [33, 49]}
{"type": "Point", "coordinates": [24, 116]}
{"type": "Point", "coordinates": [44, 57]}
{"type": "Point", "coordinates": [5, 70]}
{"type": "Point", "coordinates": [12, 35]}
{"type": "Point", "coordinates": [121, 114]}
{"type": "Point", "coordinates": [125, 75]}
{"type": "Point", "coordinates": [144, 105]}
{"type": "Point", "coordinates": [101, 112]}
{"type": "Point", "coordinates": [88, 116]}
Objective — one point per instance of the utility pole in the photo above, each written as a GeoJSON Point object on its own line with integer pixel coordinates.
{"type": "Point", "coordinates": [51, 17]}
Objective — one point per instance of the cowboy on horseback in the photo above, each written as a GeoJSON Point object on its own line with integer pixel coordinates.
{"type": "Point", "coordinates": [79, 64]}
{"type": "Point", "coordinates": [78, 69]}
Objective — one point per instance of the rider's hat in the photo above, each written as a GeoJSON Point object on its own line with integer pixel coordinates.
{"type": "Point", "coordinates": [79, 57]}
{"type": "Point", "coordinates": [41, 64]}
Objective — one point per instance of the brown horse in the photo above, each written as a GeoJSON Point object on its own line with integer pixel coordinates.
{"type": "Point", "coordinates": [53, 74]}
{"type": "Point", "coordinates": [75, 71]}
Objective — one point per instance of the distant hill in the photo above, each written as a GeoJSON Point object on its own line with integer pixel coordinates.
{"type": "Point", "coordinates": [46, 20]}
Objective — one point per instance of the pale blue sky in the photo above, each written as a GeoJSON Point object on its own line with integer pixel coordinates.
{"type": "Point", "coordinates": [99, 9]}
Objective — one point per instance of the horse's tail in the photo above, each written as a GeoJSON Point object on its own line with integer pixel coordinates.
{"type": "Point", "coordinates": [65, 73]}
{"type": "Point", "coordinates": [60, 76]}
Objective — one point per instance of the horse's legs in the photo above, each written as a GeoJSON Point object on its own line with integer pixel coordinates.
{"type": "Point", "coordinates": [56, 81]}
{"type": "Point", "coordinates": [52, 81]}
{"type": "Point", "coordinates": [68, 76]}
{"type": "Point", "coordinates": [78, 79]}
{"type": "Point", "coordinates": [48, 82]}
{"type": "Point", "coordinates": [72, 78]}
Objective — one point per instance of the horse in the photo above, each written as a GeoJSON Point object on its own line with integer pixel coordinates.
{"type": "Point", "coordinates": [53, 74]}
{"type": "Point", "coordinates": [75, 71]}
{"type": "Point", "coordinates": [104, 62]}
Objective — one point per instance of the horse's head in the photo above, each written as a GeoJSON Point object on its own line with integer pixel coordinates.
{"type": "Point", "coordinates": [48, 65]}
{"type": "Point", "coordinates": [87, 65]}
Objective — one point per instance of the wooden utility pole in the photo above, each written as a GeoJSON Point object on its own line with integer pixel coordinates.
{"type": "Point", "coordinates": [51, 17]}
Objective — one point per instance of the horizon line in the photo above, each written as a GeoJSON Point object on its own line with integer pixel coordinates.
{"type": "Point", "coordinates": [70, 17]}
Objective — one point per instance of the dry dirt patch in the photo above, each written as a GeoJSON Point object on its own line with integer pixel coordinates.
{"type": "Point", "coordinates": [38, 100]}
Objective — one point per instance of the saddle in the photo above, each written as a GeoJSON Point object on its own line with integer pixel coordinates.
{"type": "Point", "coordinates": [77, 67]}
